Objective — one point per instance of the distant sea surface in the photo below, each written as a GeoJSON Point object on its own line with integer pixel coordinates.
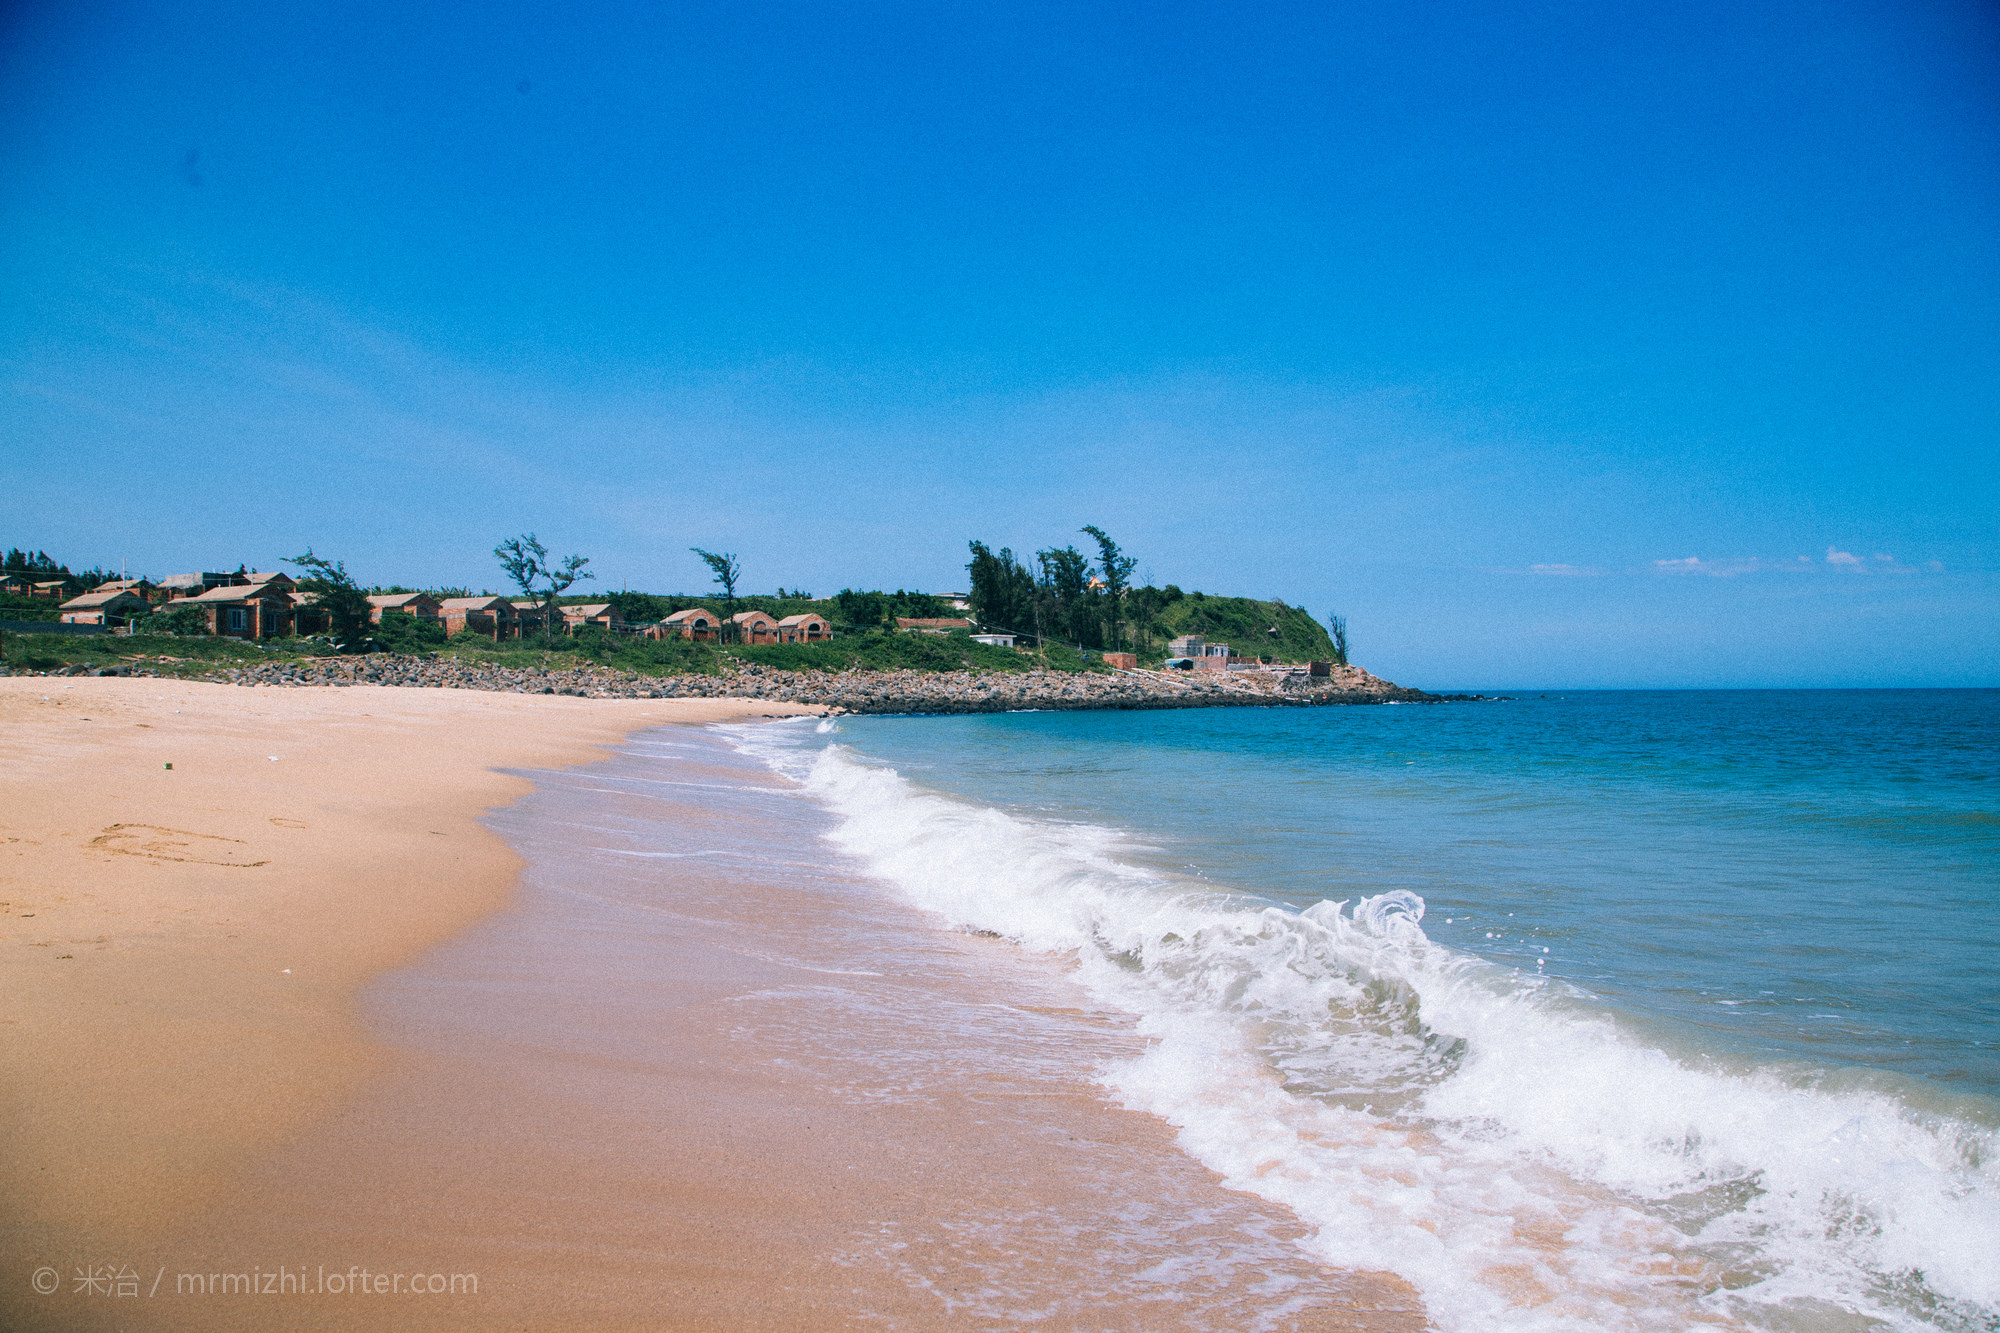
{"type": "Point", "coordinates": [1579, 1010]}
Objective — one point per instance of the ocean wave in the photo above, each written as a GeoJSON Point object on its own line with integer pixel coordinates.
{"type": "Point", "coordinates": [1497, 1140]}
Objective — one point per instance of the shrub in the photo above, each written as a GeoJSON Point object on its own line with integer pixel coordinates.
{"type": "Point", "coordinates": [182, 620]}
{"type": "Point", "coordinates": [401, 632]}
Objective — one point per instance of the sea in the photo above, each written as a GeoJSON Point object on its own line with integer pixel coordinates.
{"type": "Point", "coordinates": [1583, 1010]}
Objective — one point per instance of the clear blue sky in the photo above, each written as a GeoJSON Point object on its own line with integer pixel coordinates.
{"type": "Point", "coordinates": [1587, 344]}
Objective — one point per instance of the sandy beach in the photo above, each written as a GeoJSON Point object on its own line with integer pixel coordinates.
{"type": "Point", "coordinates": [292, 1007]}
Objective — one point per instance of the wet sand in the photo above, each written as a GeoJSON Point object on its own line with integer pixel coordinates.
{"type": "Point", "coordinates": [695, 1076]}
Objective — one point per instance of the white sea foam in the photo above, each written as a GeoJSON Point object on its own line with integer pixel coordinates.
{"type": "Point", "coordinates": [1507, 1149]}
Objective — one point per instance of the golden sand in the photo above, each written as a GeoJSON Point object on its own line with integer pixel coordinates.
{"type": "Point", "coordinates": [188, 1076]}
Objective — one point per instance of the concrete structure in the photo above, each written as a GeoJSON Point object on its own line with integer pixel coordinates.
{"type": "Point", "coordinates": [930, 625]}
{"type": "Point", "coordinates": [696, 622]}
{"type": "Point", "coordinates": [193, 585]}
{"type": "Point", "coordinates": [804, 629]}
{"type": "Point", "coordinates": [419, 604]}
{"type": "Point", "coordinates": [997, 640]}
{"type": "Point", "coordinates": [119, 606]}
{"type": "Point", "coordinates": [1207, 656]}
{"type": "Point", "coordinates": [493, 617]}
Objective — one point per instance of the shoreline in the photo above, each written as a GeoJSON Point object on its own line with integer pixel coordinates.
{"type": "Point", "coordinates": [199, 880]}
{"type": "Point", "coordinates": [701, 1076]}
{"type": "Point", "coordinates": [627, 1113]}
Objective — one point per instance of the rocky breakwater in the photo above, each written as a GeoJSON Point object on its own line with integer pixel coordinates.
{"type": "Point", "coordinates": [859, 691]}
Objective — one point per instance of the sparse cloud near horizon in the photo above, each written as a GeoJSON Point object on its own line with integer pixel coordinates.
{"type": "Point", "coordinates": [1836, 559]}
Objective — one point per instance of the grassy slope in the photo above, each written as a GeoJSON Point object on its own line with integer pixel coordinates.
{"type": "Point", "coordinates": [878, 651]}
{"type": "Point", "coordinates": [1245, 624]}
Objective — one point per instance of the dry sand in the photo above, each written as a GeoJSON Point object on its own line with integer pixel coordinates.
{"type": "Point", "coordinates": [618, 1121]}
{"type": "Point", "coordinates": [181, 946]}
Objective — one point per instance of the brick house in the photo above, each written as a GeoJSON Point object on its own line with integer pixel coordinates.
{"type": "Point", "coordinates": [116, 606]}
{"type": "Point", "coordinates": [419, 604]}
{"type": "Point", "coordinates": [493, 617]}
{"type": "Point", "coordinates": [593, 613]}
{"type": "Point", "coordinates": [262, 610]}
{"type": "Point", "coordinates": [803, 629]}
{"type": "Point", "coordinates": [527, 616]}
{"type": "Point", "coordinates": [755, 627]}
{"type": "Point", "coordinates": [696, 622]}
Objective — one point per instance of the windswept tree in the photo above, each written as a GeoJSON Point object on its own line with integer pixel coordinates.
{"type": "Point", "coordinates": [1115, 567]}
{"type": "Point", "coordinates": [527, 563]}
{"type": "Point", "coordinates": [1337, 627]}
{"type": "Point", "coordinates": [726, 572]}
{"type": "Point", "coordinates": [336, 595]}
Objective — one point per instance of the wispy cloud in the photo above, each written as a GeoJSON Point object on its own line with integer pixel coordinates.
{"type": "Point", "coordinates": [1879, 563]}
{"type": "Point", "coordinates": [1730, 568]}
{"type": "Point", "coordinates": [1566, 571]}
{"type": "Point", "coordinates": [1837, 560]}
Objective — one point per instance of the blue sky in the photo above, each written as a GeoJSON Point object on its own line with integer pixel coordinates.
{"type": "Point", "coordinates": [1552, 345]}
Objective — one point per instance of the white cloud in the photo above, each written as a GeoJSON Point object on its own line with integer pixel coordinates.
{"type": "Point", "coordinates": [1565, 571]}
{"type": "Point", "coordinates": [1729, 569]}
{"type": "Point", "coordinates": [1843, 560]}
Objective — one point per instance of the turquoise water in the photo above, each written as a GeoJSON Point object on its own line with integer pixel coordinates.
{"type": "Point", "coordinates": [1812, 874]}
{"type": "Point", "coordinates": [1577, 1011]}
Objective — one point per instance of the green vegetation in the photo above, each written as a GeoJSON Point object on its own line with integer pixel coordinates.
{"type": "Point", "coordinates": [891, 650]}
{"type": "Point", "coordinates": [335, 597]}
{"type": "Point", "coordinates": [1064, 600]}
{"type": "Point", "coordinates": [28, 608]}
{"type": "Point", "coordinates": [168, 654]}
{"type": "Point", "coordinates": [188, 620]}
{"type": "Point", "coordinates": [401, 632]}
{"type": "Point", "coordinates": [1245, 624]}
{"type": "Point", "coordinates": [592, 645]}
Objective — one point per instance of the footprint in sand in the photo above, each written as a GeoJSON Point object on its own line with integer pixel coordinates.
{"type": "Point", "coordinates": [170, 844]}
{"type": "Point", "coordinates": [288, 823]}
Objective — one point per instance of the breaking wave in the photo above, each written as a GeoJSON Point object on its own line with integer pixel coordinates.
{"type": "Point", "coordinates": [1507, 1146]}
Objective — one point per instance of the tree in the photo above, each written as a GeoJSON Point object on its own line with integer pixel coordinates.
{"type": "Point", "coordinates": [1003, 591]}
{"type": "Point", "coordinates": [1116, 568]}
{"type": "Point", "coordinates": [726, 572]}
{"type": "Point", "coordinates": [334, 593]}
{"type": "Point", "coordinates": [860, 610]}
{"type": "Point", "coordinates": [1064, 595]}
{"type": "Point", "coordinates": [1337, 627]}
{"type": "Point", "coordinates": [527, 563]}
